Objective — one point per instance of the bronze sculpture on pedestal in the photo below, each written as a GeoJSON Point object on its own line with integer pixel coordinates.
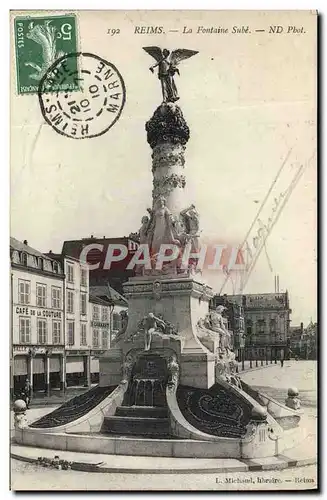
{"type": "Point", "coordinates": [167, 62]}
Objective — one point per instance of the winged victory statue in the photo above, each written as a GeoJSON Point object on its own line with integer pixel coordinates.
{"type": "Point", "coordinates": [167, 63]}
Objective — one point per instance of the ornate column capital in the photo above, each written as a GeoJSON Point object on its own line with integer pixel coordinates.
{"type": "Point", "coordinates": [167, 125]}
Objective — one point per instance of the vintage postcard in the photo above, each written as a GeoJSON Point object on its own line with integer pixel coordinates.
{"type": "Point", "coordinates": [163, 308]}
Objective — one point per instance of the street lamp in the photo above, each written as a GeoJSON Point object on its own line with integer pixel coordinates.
{"type": "Point", "coordinates": [251, 350]}
{"type": "Point", "coordinates": [111, 310]}
{"type": "Point", "coordinates": [242, 348]}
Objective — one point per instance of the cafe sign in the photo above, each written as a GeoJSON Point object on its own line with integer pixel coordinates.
{"type": "Point", "coordinates": [34, 311]}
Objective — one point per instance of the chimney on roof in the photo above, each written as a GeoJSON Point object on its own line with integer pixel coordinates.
{"type": "Point", "coordinates": [50, 251]}
{"type": "Point", "coordinates": [25, 242]}
{"type": "Point", "coordinates": [92, 236]}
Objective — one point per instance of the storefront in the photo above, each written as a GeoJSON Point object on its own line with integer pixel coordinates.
{"type": "Point", "coordinates": [77, 363]}
{"type": "Point", "coordinates": [20, 372]}
{"type": "Point", "coordinates": [41, 366]}
{"type": "Point", "coordinates": [95, 367]}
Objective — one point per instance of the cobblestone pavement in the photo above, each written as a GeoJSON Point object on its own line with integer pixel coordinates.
{"type": "Point", "coordinates": [273, 380]}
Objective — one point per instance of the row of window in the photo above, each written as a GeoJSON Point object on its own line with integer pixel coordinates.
{"type": "Point", "coordinates": [41, 296]}
{"type": "Point", "coordinates": [98, 313]}
{"type": "Point", "coordinates": [24, 294]}
{"type": "Point", "coordinates": [70, 302]}
{"type": "Point", "coordinates": [39, 262]}
{"type": "Point", "coordinates": [260, 326]}
{"type": "Point", "coordinates": [104, 313]}
{"type": "Point", "coordinates": [96, 338]}
{"type": "Point", "coordinates": [83, 340]}
{"type": "Point", "coordinates": [70, 275]}
{"type": "Point", "coordinates": [42, 333]}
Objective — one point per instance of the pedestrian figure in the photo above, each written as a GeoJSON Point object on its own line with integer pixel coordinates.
{"type": "Point", "coordinates": [282, 358]}
{"type": "Point", "coordinates": [27, 391]}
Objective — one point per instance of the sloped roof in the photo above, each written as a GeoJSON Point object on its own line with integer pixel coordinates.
{"type": "Point", "coordinates": [21, 247]}
{"type": "Point", "coordinates": [98, 300]}
{"type": "Point", "coordinates": [108, 291]}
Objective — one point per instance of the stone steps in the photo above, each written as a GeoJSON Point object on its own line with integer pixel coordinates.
{"type": "Point", "coordinates": [137, 426]}
{"type": "Point", "coordinates": [142, 411]}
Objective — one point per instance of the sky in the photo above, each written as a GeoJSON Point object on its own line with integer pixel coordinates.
{"type": "Point", "coordinates": [249, 100]}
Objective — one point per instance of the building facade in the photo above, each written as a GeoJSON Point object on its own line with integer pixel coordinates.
{"type": "Point", "coordinates": [234, 314]}
{"type": "Point", "coordinates": [118, 307]}
{"type": "Point", "coordinates": [101, 273]}
{"type": "Point", "coordinates": [76, 322]}
{"type": "Point", "coordinates": [59, 328]}
{"type": "Point", "coordinates": [37, 318]}
{"type": "Point", "coordinates": [304, 341]}
{"type": "Point", "coordinates": [265, 320]}
{"type": "Point", "coordinates": [90, 314]}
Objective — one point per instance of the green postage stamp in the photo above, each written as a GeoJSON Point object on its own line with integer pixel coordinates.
{"type": "Point", "coordinates": [40, 41]}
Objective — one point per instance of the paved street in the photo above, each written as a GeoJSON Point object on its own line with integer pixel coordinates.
{"type": "Point", "coordinates": [273, 380]}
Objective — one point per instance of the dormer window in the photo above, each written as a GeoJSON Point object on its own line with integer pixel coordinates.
{"type": "Point", "coordinates": [15, 257]}
{"type": "Point", "coordinates": [55, 267]}
{"type": "Point", "coordinates": [41, 263]}
{"type": "Point", "coordinates": [24, 259]}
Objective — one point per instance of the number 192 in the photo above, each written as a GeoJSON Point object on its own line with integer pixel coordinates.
{"type": "Point", "coordinates": [113, 31]}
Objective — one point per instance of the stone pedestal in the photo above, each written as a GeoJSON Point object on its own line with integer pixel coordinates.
{"type": "Point", "coordinates": [198, 370]}
{"type": "Point", "coordinates": [181, 301]}
{"type": "Point", "coordinates": [110, 367]}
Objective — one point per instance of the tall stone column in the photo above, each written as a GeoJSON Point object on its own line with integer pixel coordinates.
{"type": "Point", "coordinates": [167, 134]}
{"type": "Point", "coordinates": [172, 221]}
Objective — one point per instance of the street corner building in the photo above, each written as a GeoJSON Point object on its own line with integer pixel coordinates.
{"type": "Point", "coordinates": [260, 324]}
{"type": "Point", "coordinates": [59, 326]}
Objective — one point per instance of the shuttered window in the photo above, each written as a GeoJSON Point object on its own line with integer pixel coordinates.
{"type": "Point", "coordinates": [56, 332]}
{"type": "Point", "coordinates": [104, 339]}
{"type": "Point", "coordinates": [24, 291]}
{"type": "Point", "coordinates": [56, 297]}
{"type": "Point", "coordinates": [83, 334]}
{"type": "Point", "coordinates": [71, 333]}
{"type": "Point", "coordinates": [70, 301]}
{"type": "Point", "coordinates": [95, 337]}
{"type": "Point", "coordinates": [42, 331]}
{"type": "Point", "coordinates": [25, 330]}
{"type": "Point", "coordinates": [41, 295]}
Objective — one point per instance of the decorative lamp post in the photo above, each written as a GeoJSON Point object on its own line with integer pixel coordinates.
{"type": "Point", "coordinates": [251, 350]}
